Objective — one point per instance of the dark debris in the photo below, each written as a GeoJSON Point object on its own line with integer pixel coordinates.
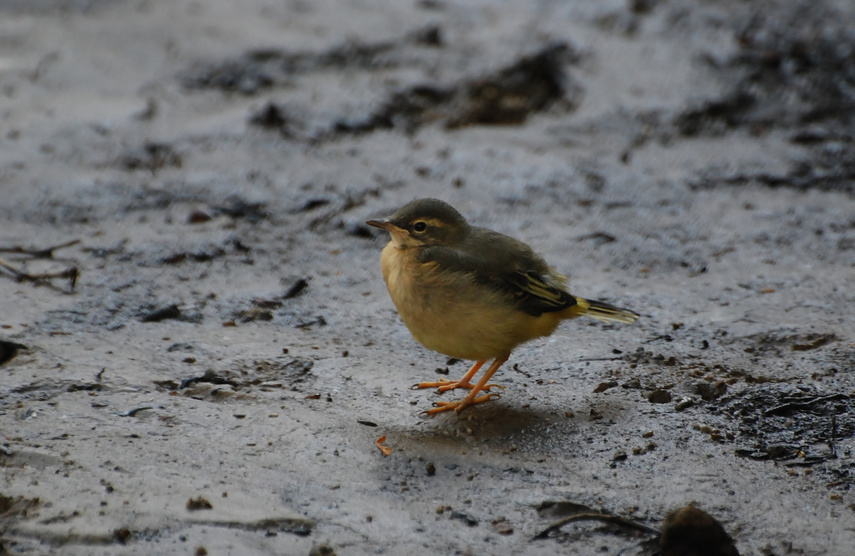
{"type": "Point", "coordinates": [8, 350]}
{"type": "Point", "coordinates": [199, 503]}
{"type": "Point", "coordinates": [275, 117]}
{"type": "Point", "coordinates": [259, 70]}
{"type": "Point", "coordinates": [531, 84]}
{"type": "Point", "coordinates": [297, 288]}
{"type": "Point", "coordinates": [165, 312]}
{"type": "Point", "coordinates": [795, 425]}
{"type": "Point", "coordinates": [508, 96]}
{"type": "Point", "coordinates": [466, 518]}
{"type": "Point", "coordinates": [794, 72]}
{"type": "Point", "coordinates": [690, 531]}
{"type": "Point", "coordinates": [152, 157]}
{"type": "Point", "coordinates": [237, 207]}
{"type": "Point", "coordinates": [211, 377]}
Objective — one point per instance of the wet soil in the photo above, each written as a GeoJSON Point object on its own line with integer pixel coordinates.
{"type": "Point", "coordinates": [197, 351]}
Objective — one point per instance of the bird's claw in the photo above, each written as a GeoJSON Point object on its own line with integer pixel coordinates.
{"type": "Point", "coordinates": [460, 405]}
{"type": "Point", "coordinates": [443, 385]}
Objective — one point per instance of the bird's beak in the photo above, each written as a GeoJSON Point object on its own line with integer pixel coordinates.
{"type": "Point", "coordinates": [385, 224]}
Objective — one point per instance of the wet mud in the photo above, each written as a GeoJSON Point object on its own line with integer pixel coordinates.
{"type": "Point", "coordinates": [198, 353]}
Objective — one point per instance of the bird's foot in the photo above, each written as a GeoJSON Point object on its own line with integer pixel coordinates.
{"type": "Point", "coordinates": [459, 405]}
{"type": "Point", "coordinates": [444, 385]}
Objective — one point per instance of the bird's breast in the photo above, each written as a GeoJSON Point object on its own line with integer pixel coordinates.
{"type": "Point", "coordinates": [407, 281]}
{"type": "Point", "coordinates": [451, 313]}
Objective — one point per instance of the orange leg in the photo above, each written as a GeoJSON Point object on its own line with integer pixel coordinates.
{"type": "Point", "coordinates": [444, 385]}
{"type": "Point", "coordinates": [472, 397]}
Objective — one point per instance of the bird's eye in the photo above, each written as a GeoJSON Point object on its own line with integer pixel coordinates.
{"type": "Point", "coordinates": [419, 226]}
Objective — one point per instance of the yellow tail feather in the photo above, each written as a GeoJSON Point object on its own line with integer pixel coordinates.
{"type": "Point", "coordinates": [600, 311]}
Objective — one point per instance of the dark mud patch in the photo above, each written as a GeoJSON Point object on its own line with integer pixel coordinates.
{"type": "Point", "coordinates": [44, 390]}
{"type": "Point", "coordinates": [777, 343]}
{"type": "Point", "coordinates": [830, 169]}
{"type": "Point", "coordinates": [796, 426]}
{"type": "Point", "coordinates": [291, 373]}
{"type": "Point", "coordinates": [259, 70]}
{"type": "Point", "coordinates": [717, 116]}
{"type": "Point", "coordinates": [793, 72]}
{"type": "Point", "coordinates": [793, 67]}
{"type": "Point", "coordinates": [151, 156]}
{"type": "Point", "coordinates": [507, 96]}
{"type": "Point", "coordinates": [238, 208]}
{"type": "Point", "coordinates": [797, 63]}
{"type": "Point", "coordinates": [688, 530]}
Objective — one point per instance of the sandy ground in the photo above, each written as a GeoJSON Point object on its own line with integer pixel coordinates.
{"type": "Point", "coordinates": [217, 377]}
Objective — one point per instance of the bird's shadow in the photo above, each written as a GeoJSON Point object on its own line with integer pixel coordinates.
{"type": "Point", "coordinates": [498, 426]}
{"type": "Point", "coordinates": [494, 420]}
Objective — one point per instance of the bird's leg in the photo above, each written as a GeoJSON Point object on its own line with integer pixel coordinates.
{"type": "Point", "coordinates": [472, 397]}
{"type": "Point", "coordinates": [443, 385]}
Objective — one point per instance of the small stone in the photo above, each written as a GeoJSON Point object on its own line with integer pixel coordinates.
{"type": "Point", "coordinates": [502, 526]}
{"type": "Point", "coordinates": [659, 396]}
{"type": "Point", "coordinates": [322, 550]}
{"type": "Point", "coordinates": [199, 503]}
{"type": "Point", "coordinates": [684, 403]}
{"type": "Point", "coordinates": [466, 518]}
{"type": "Point", "coordinates": [710, 392]}
{"type": "Point", "coordinates": [603, 386]}
{"type": "Point", "coordinates": [632, 384]}
{"type": "Point", "coordinates": [197, 217]}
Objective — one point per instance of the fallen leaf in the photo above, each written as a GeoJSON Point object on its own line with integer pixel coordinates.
{"type": "Point", "coordinates": [385, 450]}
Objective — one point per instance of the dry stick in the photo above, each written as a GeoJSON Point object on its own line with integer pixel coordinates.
{"type": "Point", "coordinates": [804, 404]}
{"type": "Point", "coordinates": [20, 276]}
{"type": "Point", "coordinates": [46, 253]}
{"type": "Point", "coordinates": [608, 518]}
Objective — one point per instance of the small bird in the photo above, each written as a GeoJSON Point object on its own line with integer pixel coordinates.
{"type": "Point", "coordinates": [472, 293]}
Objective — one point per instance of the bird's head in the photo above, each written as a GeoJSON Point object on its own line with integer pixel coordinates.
{"type": "Point", "coordinates": [424, 222]}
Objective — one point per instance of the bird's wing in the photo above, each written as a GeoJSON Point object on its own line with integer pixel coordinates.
{"type": "Point", "coordinates": [525, 278]}
{"type": "Point", "coordinates": [536, 295]}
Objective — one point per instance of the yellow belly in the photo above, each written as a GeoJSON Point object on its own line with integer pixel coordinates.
{"type": "Point", "coordinates": [451, 314]}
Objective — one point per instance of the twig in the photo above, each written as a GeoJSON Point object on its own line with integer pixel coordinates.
{"type": "Point", "coordinates": [21, 276]}
{"type": "Point", "coordinates": [666, 337]}
{"type": "Point", "coordinates": [134, 411]}
{"type": "Point", "coordinates": [831, 445]}
{"type": "Point", "coordinates": [608, 518]}
{"type": "Point", "coordinates": [46, 253]}
{"type": "Point", "coordinates": [804, 404]}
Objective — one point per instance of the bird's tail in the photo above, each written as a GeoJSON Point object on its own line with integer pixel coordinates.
{"type": "Point", "coordinates": [601, 311]}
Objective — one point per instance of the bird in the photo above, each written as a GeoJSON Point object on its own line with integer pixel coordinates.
{"type": "Point", "coordinates": [473, 293]}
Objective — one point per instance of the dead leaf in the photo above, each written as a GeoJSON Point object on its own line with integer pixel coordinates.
{"type": "Point", "coordinates": [385, 450]}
